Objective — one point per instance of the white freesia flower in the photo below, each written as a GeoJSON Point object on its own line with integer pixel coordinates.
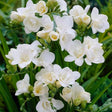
{"type": "Point", "coordinates": [99, 21]}
{"type": "Point", "coordinates": [24, 54]}
{"type": "Point", "coordinates": [45, 59]}
{"type": "Point", "coordinates": [67, 77]}
{"type": "Point", "coordinates": [57, 104]}
{"type": "Point", "coordinates": [67, 94]}
{"type": "Point", "coordinates": [11, 55]}
{"type": "Point", "coordinates": [40, 89]}
{"type": "Point", "coordinates": [76, 51]}
{"type": "Point", "coordinates": [79, 93]}
{"type": "Point", "coordinates": [93, 51]}
{"type": "Point", "coordinates": [43, 34]}
{"type": "Point", "coordinates": [44, 105]}
{"type": "Point", "coordinates": [23, 85]}
{"type": "Point", "coordinates": [48, 74]}
{"type": "Point", "coordinates": [32, 24]}
{"type": "Point", "coordinates": [80, 15]}
{"type": "Point", "coordinates": [63, 5]}
{"type": "Point", "coordinates": [64, 27]}
{"type": "Point", "coordinates": [47, 24]}
{"type": "Point", "coordinates": [29, 10]}
{"type": "Point", "coordinates": [41, 7]}
{"type": "Point", "coordinates": [54, 36]}
{"type": "Point", "coordinates": [74, 93]}
{"type": "Point", "coordinates": [16, 16]}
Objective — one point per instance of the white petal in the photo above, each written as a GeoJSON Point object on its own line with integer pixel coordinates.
{"type": "Point", "coordinates": [87, 61]}
{"type": "Point", "coordinates": [77, 75]}
{"type": "Point", "coordinates": [69, 58]}
{"type": "Point", "coordinates": [79, 62]}
{"type": "Point", "coordinates": [57, 104]}
{"type": "Point", "coordinates": [95, 12]}
{"type": "Point", "coordinates": [87, 8]}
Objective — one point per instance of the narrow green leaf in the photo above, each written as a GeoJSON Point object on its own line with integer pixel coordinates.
{"type": "Point", "coordinates": [89, 82]}
{"type": "Point", "coordinates": [4, 44]}
{"type": "Point", "coordinates": [11, 106]}
{"type": "Point", "coordinates": [100, 94]}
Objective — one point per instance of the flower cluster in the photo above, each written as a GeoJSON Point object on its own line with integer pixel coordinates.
{"type": "Point", "coordinates": [56, 27]}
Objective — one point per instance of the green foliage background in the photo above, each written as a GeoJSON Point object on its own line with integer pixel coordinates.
{"type": "Point", "coordinates": [96, 79]}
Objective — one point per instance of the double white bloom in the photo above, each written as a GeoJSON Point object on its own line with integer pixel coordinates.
{"type": "Point", "coordinates": [80, 15]}
{"type": "Point", "coordinates": [54, 73]}
{"type": "Point", "coordinates": [44, 105]}
{"type": "Point", "coordinates": [90, 47]}
{"type": "Point", "coordinates": [99, 21]}
{"type": "Point", "coordinates": [74, 93]}
{"type": "Point", "coordinates": [64, 28]}
{"type": "Point", "coordinates": [93, 51]}
{"type": "Point", "coordinates": [26, 53]}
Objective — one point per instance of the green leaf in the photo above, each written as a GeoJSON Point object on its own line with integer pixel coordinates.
{"type": "Point", "coordinates": [100, 94]}
{"type": "Point", "coordinates": [11, 106]}
{"type": "Point", "coordinates": [4, 44]}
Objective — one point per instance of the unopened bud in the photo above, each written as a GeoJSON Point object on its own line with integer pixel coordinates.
{"type": "Point", "coordinates": [30, 89]}
{"type": "Point", "coordinates": [77, 102]}
{"type": "Point", "coordinates": [83, 104]}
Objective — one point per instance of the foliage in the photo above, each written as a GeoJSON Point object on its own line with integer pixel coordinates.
{"type": "Point", "coordinates": [96, 79]}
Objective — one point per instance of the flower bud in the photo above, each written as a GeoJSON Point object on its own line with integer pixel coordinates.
{"type": "Point", "coordinates": [77, 102]}
{"type": "Point", "coordinates": [30, 89]}
{"type": "Point", "coordinates": [83, 104]}
{"type": "Point", "coordinates": [32, 95]}
{"type": "Point", "coordinates": [54, 36]}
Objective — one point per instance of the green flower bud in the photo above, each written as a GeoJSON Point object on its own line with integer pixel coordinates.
{"type": "Point", "coordinates": [50, 86]}
{"type": "Point", "coordinates": [54, 90]}
{"type": "Point", "coordinates": [32, 95]}
{"type": "Point", "coordinates": [77, 102]}
{"type": "Point", "coordinates": [83, 104]}
{"type": "Point", "coordinates": [90, 107]}
{"type": "Point", "coordinates": [26, 94]}
{"type": "Point", "coordinates": [30, 89]}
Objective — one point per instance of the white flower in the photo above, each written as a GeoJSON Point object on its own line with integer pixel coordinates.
{"type": "Point", "coordinates": [99, 21]}
{"type": "Point", "coordinates": [66, 77]}
{"type": "Point", "coordinates": [74, 93]}
{"type": "Point", "coordinates": [79, 93]}
{"type": "Point", "coordinates": [64, 27]}
{"type": "Point", "coordinates": [24, 54]}
{"type": "Point", "coordinates": [80, 15]}
{"type": "Point", "coordinates": [63, 5]}
{"type": "Point", "coordinates": [44, 105]}
{"type": "Point", "coordinates": [48, 74]}
{"type": "Point", "coordinates": [43, 34]}
{"type": "Point", "coordinates": [54, 35]}
{"type": "Point", "coordinates": [67, 94]}
{"type": "Point", "coordinates": [29, 10]}
{"type": "Point", "coordinates": [41, 7]}
{"type": "Point", "coordinates": [45, 59]}
{"type": "Point", "coordinates": [47, 24]}
{"type": "Point", "coordinates": [32, 24]}
{"type": "Point", "coordinates": [23, 85]}
{"type": "Point", "coordinates": [76, 51]}
{"type": "Point", "coordinates": [11, 55]}
{"type": "Point", "coordinates": [40, 89]}
{"type": "Point", "coordinates": [15, 16]}
{"type": "Point", "coordinates": [93, 51]}
{"type": "Point", "coordinates": [57, 104]}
